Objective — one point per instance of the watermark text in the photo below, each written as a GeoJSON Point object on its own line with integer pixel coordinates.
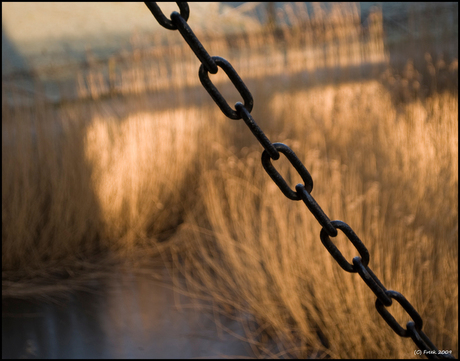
{"type": "Point", "coordinates": [433, 352]}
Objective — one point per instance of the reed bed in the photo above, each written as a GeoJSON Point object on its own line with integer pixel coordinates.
{"type": "Point", "coordinates": [314, 42]}
{"type": "Point", "coordinates": [49, 212]}
{"type": "Point", "coordinates": [84, 180]}
{"type": "Point", "coordinates": [141, 168]}
{"type": "Point", "coordinates": [390, 174]}
{"type": "Point", "coordinates": [107, 179]}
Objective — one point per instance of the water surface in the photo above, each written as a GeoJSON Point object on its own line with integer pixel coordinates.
{"type": "Point", "coordinates": [128, 316]}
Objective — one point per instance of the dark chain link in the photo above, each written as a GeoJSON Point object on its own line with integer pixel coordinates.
{"type": "Point", "coordinates": [278, 179]}
{"type": "Point", "coordinates": [163, 20]}
{"type": "Point", "coordinates": [237, 82]}
{"type": "Point", "coordinates": [303, 191]}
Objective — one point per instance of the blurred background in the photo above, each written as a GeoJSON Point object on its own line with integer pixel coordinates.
{"type": "Point", "coordinates": [114, 157]}
{"type": "Point", "coordinates": [53, 42]}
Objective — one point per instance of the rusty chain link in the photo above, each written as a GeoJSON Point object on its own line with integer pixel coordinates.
{"type": "Point", "coordinates": [210, 64]}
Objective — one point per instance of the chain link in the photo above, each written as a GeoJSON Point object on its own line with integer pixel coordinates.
{"type": "Point", "coordinates": [334, 251]}
{"type": "Point", "coordinates": [237, 82]}
{"type": "Point", "coordinates": [391, 320]}
{"type": "Point", "coordinates": [193, 42]}
{"type": "Point", "coordinates": [278, 179]}
{"type": "Point", "coordinates": [316, 210]}
{"type": "Point", "coordinates": [258, 133]}
{"type": "Point", "coordinates": [303, 192]}
{"type": "Point", "coordinates": [372, 281]}
{"type": "Point", "coordinates": [163, 20]}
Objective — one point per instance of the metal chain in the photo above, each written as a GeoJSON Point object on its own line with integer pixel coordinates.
{"type": "Point", "coordinates": [210, 64]}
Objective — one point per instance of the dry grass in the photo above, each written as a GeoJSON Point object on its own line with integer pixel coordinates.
{"type": "Point", "coordinates": [390, 174]}
{"type": "Point", "coordinates": [88, 182]}
{"type": "Point", "coordinates": [49, 212]}
{"type": "Point", "coordinates": [138, 164]}
{"type": "Point", "coordinates": [82, 180]}
{"type": "Point", "coordinates": [317, 43]}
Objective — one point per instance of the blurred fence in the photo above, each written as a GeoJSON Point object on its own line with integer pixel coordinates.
{"type": "Point", "coordinates": [318, 44]}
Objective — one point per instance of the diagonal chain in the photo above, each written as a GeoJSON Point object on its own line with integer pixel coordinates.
{"type": "Point", "coordinates": [210, 64]}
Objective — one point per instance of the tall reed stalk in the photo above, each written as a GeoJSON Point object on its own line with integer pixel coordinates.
{"type": "Point", "coordinates": [391, 175]}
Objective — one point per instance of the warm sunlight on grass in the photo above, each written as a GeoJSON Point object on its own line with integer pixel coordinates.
{"type": "Point", "coordinates": [142, 165]}
{"type": "Point", "coordinates": [390, 174]}
{"type": "Point", "coordinates": [140, 169]}
{"type": "Point", "coordinates": [49, 211]}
